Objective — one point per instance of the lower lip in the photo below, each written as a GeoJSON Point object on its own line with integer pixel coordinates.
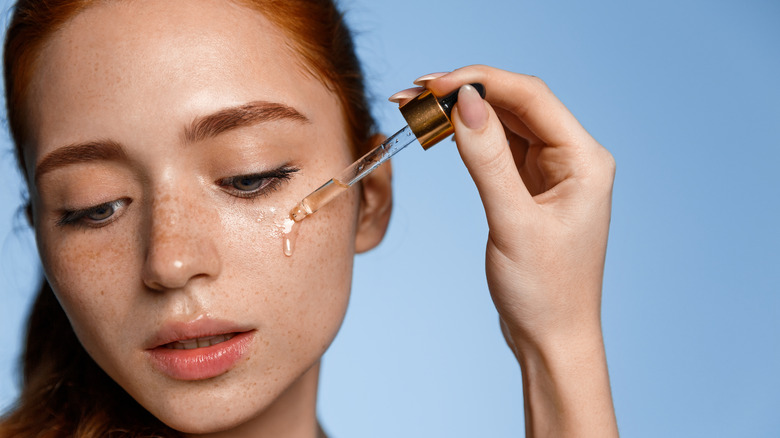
{"type": "Point", "coordinates": [201, 363]}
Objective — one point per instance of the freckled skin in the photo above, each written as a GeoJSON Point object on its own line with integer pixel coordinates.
{"type": "Point", "coordinates": [184, 248]}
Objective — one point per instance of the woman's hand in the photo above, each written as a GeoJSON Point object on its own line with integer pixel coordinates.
{"type": "Point", "coordinates": [546, 186]}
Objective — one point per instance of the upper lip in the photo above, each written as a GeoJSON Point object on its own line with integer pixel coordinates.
{"type": "Point", "coordinates": [173, 331]}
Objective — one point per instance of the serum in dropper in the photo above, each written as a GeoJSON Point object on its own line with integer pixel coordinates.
{"type": "Point", "coordinates": [429, 122]}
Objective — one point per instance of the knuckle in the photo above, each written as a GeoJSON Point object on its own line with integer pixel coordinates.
{"type": "Point", "coordinates": [537, 83]}
{"type": "Point", "coordinates": [492, 160]}
{"type": "Point", "coordinates": [480, 67]}
{"type": "Point", "coordinates": [474, 70]}
{"type": "Point", "coordinates": [608, 161]}
{"type": "Point", "coordinates": [605, 166]}
{"type": "Point", "coordinates": [534, 91]}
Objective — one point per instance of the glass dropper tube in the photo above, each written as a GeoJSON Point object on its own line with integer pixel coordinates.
{"type": "Point", "coordinates": [352, 174]}
{"type": "Point", "coordinates": [429, 123]}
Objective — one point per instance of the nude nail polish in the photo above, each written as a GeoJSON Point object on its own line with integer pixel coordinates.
{"type": "Point", "coordinates": [429, 77]}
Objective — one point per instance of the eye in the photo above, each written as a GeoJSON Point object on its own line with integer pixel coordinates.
{"type": "Point", "coordinates": [252, 185]}
{"type": "Point", "coordinates": [101, 213]}
{"type": "Point", "coordinates": [97, 216]}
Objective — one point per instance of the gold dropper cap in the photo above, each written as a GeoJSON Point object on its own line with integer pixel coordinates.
{"type": "Point", "coordinates": [429, 116]}
{"type": "Point", "coordinates": [427, 119]}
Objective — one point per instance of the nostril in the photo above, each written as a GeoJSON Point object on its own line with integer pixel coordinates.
{"type": "Point", "coordinates": [179, 245]}
{"type": "Point", "coordinates": [170, 265]}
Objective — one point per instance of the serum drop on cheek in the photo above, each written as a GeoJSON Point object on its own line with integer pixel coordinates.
{"type": "Point", "coordinates": [279, 226]}
{"type": "Point", "coordinates": [289, 235]}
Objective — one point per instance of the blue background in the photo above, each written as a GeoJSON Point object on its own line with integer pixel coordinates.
{"type": "Point", "coordinates": [685, 95]}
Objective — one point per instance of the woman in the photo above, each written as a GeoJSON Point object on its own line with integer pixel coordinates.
{"type": "Point", "coordinates": [164, 144]}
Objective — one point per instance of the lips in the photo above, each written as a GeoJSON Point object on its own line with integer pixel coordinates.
{"type": "Point", "coordinates": [198, 350]}
{"type": "Point", "coordinates": [208, 341]}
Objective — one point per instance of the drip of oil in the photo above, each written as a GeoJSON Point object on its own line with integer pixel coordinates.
{"type": "Point", "coordinates": [286, 228]}
{"type": "Point", "coordinates": [309, 205]}
{"type": "Point", "coordinates": [289, 236]}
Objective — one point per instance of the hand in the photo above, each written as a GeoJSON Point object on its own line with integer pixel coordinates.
{"type": "Point", "coordinates": [546, 186]}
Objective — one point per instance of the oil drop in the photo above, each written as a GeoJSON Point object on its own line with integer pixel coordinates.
{"type": "Point", "coordinates": [306, 207]}
{"type": "Point", "coordinates": [289, 235]}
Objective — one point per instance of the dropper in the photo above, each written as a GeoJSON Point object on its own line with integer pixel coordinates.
{"type": "Point", "coordinates": [429, 122]}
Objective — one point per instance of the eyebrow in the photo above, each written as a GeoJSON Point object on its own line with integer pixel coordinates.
{"type": "Point", "coordinates": [250, 113]}
{"type": "Point", "coordinates": [100, 150]}
{"type": "Point", "coordinates": [200, 129]}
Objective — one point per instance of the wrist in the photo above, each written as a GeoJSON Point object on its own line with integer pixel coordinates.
{"type": "Point", "coordinates": [566, 386]}
{"type": "Point", "coordinates": [553, 339]}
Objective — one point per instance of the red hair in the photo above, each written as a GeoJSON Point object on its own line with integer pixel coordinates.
{"type": "Point", "coordinates": [64, 392]}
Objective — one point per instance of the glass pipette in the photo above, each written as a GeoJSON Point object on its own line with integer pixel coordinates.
{"type": "Point", "coordinates": [428, 119]}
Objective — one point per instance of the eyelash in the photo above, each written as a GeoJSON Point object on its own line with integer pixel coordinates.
{"type": "Point", "coordinates": [270, 181]}
{"type": "Point", "coordinates": [79, 218]}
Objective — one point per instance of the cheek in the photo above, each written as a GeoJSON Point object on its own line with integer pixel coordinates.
{"type": "Point", "coordinates": [91, 278]}
{"type": "Point", "coordinates": [297, 303]}
{"type": "Point", "coordinates": [325, 253]}
{"type": "Point", "coordinates": [301, 298]}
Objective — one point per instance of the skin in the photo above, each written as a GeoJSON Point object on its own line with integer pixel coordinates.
{"type": "Point", "coordinates": [546, 186]}
{"type": "Point", "coordinates": [181, 244]}
{"type": "Point", "coordinates": [188, 247]}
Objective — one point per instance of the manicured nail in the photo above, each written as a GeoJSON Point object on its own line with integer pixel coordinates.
{"type": "Point", "coordinates": [471, 107]}
{"type": "Point", "coordinates": [405, 94]}
{"type": "Point", "coordinates": [429, 77]}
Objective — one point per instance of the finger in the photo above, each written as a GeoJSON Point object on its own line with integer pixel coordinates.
{"type": "Point", "coordinates": [422, 80]}
{"type": "Point", "coordinates": [516, 125]}
{"type": "Point", "coordinates": [520, 152]}
{"type": "Point", "coordinates": [527, 97]}
{"type": "Point", "coordinates": [486, 154]}
{"type": "Point", "coordinates": [517, 144]}
{"type": "Point", "coordinates": [531, 172]}
{"type": "Point", "coordinates": [404, 96]}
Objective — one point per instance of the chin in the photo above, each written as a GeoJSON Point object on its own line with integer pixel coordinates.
{"type": "Point", "coordinates": [205, 412]}
{"type": "Point", "coordinates": [261, 399]}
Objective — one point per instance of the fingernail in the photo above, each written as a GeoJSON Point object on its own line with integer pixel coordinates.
{"type": "Point", "coordinates": [471, 107]}
{"type": "Point", "coordinates": [429, 77]}
{"type": "Point", "coordinates": [405, 94]}
{"type": "Point", "coordinates": [397, 97]}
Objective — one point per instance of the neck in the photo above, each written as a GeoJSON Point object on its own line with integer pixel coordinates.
{"type": "Point", "coordinates": [292, 415]}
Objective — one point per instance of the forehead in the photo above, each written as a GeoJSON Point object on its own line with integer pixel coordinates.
{"type": "Point", "coordinates": [120, 64]}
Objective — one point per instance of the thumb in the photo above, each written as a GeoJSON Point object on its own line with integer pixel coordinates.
{"type": "Point", "coordinates": [483, 146]}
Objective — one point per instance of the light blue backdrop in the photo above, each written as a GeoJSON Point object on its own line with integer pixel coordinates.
{"type": "Point", "coordinates": [685, 94]}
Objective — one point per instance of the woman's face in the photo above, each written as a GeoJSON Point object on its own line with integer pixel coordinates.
{"type": "Point", "coordinates": [169, 142]}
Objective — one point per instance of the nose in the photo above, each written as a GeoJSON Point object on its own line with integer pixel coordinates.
{"type": "Point", "coordinates": [181, 244]}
